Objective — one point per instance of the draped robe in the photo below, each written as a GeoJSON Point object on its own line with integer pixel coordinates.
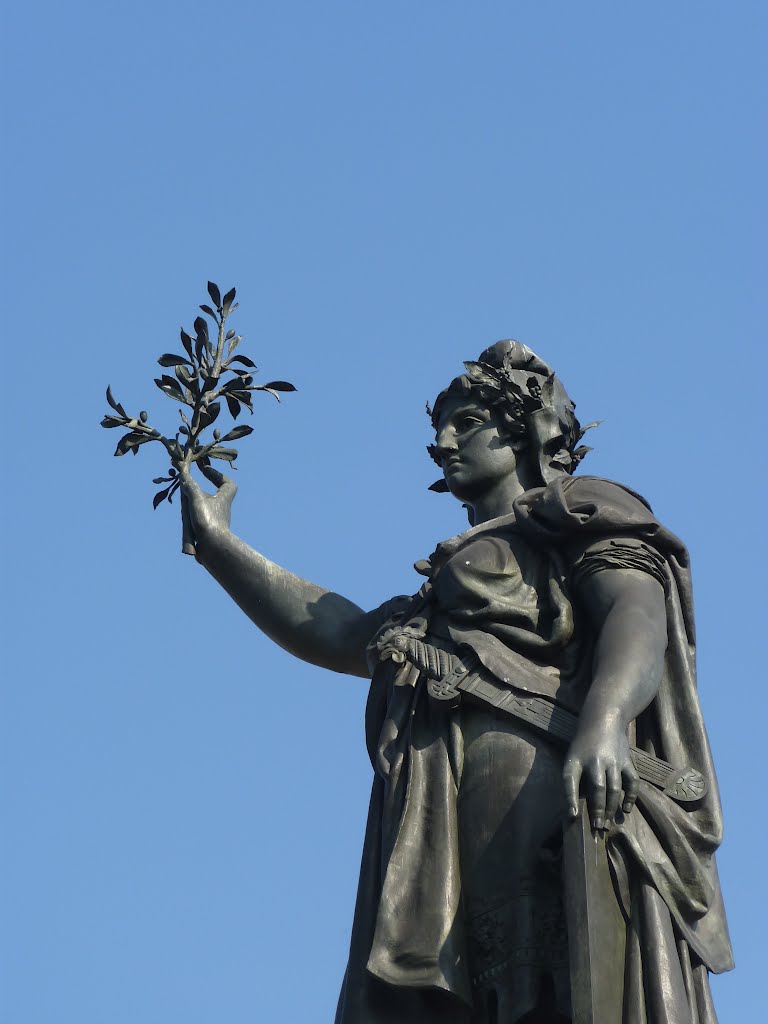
{"type": "Point", "coordinates": [459, 910]}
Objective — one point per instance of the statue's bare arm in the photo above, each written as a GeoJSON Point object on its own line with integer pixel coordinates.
{"type": "Point", "coordinates": [628, 613]}
{"type": "Point", "coordinates": [306, 620]}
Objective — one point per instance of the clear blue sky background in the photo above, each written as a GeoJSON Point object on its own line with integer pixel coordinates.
{"type": "Point", "coordinates": [391, 187]}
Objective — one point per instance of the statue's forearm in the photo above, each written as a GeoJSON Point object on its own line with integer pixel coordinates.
{"type": "Point", "coordinates": [628, 613]}
{"type": "Point", "coordinates": [306, 620]}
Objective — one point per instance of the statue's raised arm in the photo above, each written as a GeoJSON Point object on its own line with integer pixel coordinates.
{"type": "Point", "coordinates": [306, 620]}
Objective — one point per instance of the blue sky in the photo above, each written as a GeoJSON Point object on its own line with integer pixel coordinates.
{"type": "Point", "coordinates": [391, 188]}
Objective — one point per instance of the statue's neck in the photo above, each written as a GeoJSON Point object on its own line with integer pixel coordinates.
{"type": "Point", "coordinates": [498, 501]}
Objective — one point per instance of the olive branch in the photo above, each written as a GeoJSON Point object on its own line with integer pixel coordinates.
{"type": "Point", "coordinates": [200, 384]}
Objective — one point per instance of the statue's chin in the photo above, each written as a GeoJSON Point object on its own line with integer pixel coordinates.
{"type": "Point", "coordinates": [460, 486]}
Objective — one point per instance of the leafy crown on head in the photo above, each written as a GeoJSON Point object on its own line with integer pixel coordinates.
{"type": "Point", "coordinates": [530, 402]}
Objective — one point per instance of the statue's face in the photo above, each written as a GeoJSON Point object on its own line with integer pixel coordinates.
{"type": "Point", "coordinates": [473, 455]}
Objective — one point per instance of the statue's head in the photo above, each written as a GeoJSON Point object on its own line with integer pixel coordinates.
{"type": "Point", "coordinates": [530, 406]}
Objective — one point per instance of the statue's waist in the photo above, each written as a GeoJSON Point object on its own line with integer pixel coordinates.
{"type": "Point", "coordinates": [437, 656]}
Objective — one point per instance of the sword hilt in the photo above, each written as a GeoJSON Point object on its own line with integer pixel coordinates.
{"type": "Point", "coordinates": [444, 692]}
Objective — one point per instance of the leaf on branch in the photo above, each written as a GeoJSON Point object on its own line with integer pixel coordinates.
{"type": "Point", "coordinates": [237, 383]}
{"type": "Point", "coordinates": [169, 359]}
{"type": "Point", "coordinates": [201, 328]}
{"type": "Point", "coordinates": [245, 398]}
{"type": "Point", "coordinates": [172, 359]}
{"type": "Point", "coordinates": [274, 387]}
{"type": "Point", "coordinates": [244, 360]}
{"type": "Point", "coordinates": [589, 426]}
{"type": "Point", "coordinates": [214, 292]}
{"type": "Point", "coordinates": [185, 377]}
{"type": "Point", "coordinates": [210, 312]}
{"type": "Point", "coordinates": [226, 454]}
{"type": "Point", "coordinates": [241, 431]}
{"type": "Point", "coordinates": [130, 442]}
{"type": "Point", "coordinates": [199, 347]}
{"type": "Point", "coordinates": [160, 497]}
{"type": "Point", "coordinates": [191, 388]}
{"type": "Point", "coordinates": [186, 341]}
{"type": "Point", "coordinates": [229, 298]}
{"type": "Point", "coordinates": [209, 414]}
{"type": "Point", "coordinates": [171, 388]}
{"type": "Point", "coordinates": [115, 405]}
{"type": "Point", "coordinates": [112, 421]}
{"type": "Point", "coordinates": [233, 405]}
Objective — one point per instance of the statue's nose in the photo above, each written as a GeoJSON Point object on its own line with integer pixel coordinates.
{"type": "Point", "coordinates": [446, 443]}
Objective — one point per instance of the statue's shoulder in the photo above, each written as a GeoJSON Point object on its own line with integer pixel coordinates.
{"type": "Point", "coordinates": [583, 490]}
{"type": "Point", "coordinates": [569, 500]}
{"type": "Point", "coordinates": [575, 508]}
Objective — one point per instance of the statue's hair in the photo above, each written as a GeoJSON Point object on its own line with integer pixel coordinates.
{"type": "Point", "coordinates": [529, 401]}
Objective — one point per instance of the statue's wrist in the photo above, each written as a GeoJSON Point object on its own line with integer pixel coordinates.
{"type": "Point", "coordinates": [603, 719]}
{"type": "Point", "coordinates": [211, 539]}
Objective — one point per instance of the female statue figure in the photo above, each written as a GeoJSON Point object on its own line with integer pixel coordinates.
{"type": "Point", "coordinates": [567, 590]}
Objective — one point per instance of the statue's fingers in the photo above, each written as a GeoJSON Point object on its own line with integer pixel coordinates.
{"type": "Point", "coordinates": [596, 795]}
{"type": "Point", "coordinates": [227, 488]}
{"type": "Point", "coordinates": [630, 780]}
{"type": "Point", "coordinates": [612, 792]}
{"type": "Point", "coordinates": [572, 781]}
{"type": "Point", "coordinates": [214, 475]}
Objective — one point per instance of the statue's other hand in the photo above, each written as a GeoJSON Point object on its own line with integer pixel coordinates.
{"type": "Point", "coordinates": [599, 763]}
{"type": "Point", "coordinates": [209, 514]}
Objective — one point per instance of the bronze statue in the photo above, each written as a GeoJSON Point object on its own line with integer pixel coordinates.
{"type": "Point", "coordinates": [540, 684]}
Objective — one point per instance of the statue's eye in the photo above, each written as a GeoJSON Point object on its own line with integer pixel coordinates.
{"type": "Point", "coordinates": [467, 422]}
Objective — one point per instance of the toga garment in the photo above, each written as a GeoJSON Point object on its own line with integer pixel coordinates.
{"type": "Point", "coordinates": [459, 915]}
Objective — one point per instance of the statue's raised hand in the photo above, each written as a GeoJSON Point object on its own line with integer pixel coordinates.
{"type": "Point", "coordinates": [208, 515]}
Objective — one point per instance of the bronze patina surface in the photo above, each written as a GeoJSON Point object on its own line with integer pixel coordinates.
{"type": "Point", "coordinates": [544, 812]}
